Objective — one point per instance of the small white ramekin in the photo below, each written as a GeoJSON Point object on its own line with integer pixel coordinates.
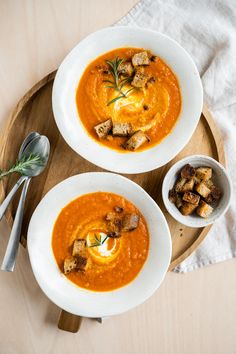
{"type": "Point", "coordinates": [221, 179]}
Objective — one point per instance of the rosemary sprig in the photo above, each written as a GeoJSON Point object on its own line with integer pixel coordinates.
{"type": "Point", "coordinates": [21, 166]}
{"type": "Point", "coordinates": [117, 84]}
{"type": "Point", "coordinates": [99, 241]}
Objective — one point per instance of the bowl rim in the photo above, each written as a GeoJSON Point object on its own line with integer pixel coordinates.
{"type": "Point", "coordinates": [184, 220]}
{"type": "Point", "coordinates": [118, 161]}
{"type": "Point", "coordinates": [32, 244]}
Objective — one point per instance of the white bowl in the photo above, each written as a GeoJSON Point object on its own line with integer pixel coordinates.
{"type": "Point", "coordinates": [71, 70]}
{"type": "Point", "coordinates": [62, 291]}
{"type": "Point", "coordinates": [220, 178]}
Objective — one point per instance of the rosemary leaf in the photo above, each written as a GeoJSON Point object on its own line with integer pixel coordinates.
{"type": "Point", "coordinates": [104, 240]}
{"type": "Point", "coordinates": [25, 163]}
{"type": "Point", "coordinates": [99, 241]}
{"type": "Point", "coordinates": [133, 88]}
{"type": "Point", "coordinates": [117, 83]}
{"type": "Point", "coordinates": [94, 245]}
{"type": "Point", "coordinates": [125, 82]}
{"type": "Point", "coordinates": [115, 99]}
{"type": "Point", "coordinates": [110, 81]}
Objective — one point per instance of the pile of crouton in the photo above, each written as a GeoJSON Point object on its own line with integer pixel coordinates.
{"type": "Point", "coordinates": [117, 222]}
{"type": "Point", "coordinates": [194, 191]}
{"type": "Point", "coordinates": [136, 70]}
{"type": "Point", "coordinates": [136, 139]}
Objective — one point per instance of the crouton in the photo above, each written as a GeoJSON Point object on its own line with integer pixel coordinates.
{"type": "Point", "coordinates": [151, 56]}
{"type": "Point", "coordinates": [179, 201]}
{"type": "Point", "coordinates": [179, 184]}
{"type": "Point", "coordinates": [204, 210]}
{"type": "Point", "coordinates": [140, 78]}
{"type": "Point", "coordinates": [209, 183]}
{"type": "Point", "coordinates": [114, 234]}
{"type": "Point", "coordinates": [118, 209]}
{"type": "Point", "coordinates": [172, 196]}
{"type": "Point", "coordinates": [209, 200]}
{"type": "Point", "coordinates": [187, 208]}
{"type": "Point", "coordinates": [126, 68]}
{"type": "Point", "coordinates": [214, 196]}
{"type": "Point", "coordinates": [191, 198]}
{"type": "Point", "coordinates": [114, 223]}
{"type": "Point", "coordinates": [70, 263]}
{"type": "Point", "coordinates": [111, 216]}
{"type": "Point", "coordinates": [140, 59]}
{"type": "Point", "coordinates": [216, 192]}
{"type": "Point", "coordinates": [114, 227]}
{"type": "Point", "coordinates": [121, 129]}
{"type": "Point", "coordinates": [187, 171]}
{"type": "Point", "coordinates": [79, 248]}
{"type": "Point", "coordinates": [188, 186]}
{"type": "Point", "coordinates": [81, 263]}
{"type": "Point", "coordinates": [197, 180]}
{"type": "Point", "coordinates": [149, 53]}
{"type": "Point", "coordinates": [136, 140]}
{"type": "Point", "coordinates": [175, 198]}
{"type": "Point", "coordinates": [204, 173]}
{"type": "Point", "coordinates": [130, 222]}
{"type": "Point", "coordinates": [103, 129]}
{"type": "Point", "coordinates": [202, 189]}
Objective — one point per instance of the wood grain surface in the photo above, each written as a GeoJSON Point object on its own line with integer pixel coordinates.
{"type": "Point", "coordinates": [194, 313]}
{"type": "Point", "coordinates": [34, 113]}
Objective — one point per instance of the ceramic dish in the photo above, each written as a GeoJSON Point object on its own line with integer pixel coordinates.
{"type": "Point", "coordinates": [220, 178]}
{"type": "Point", "coordinates": [66, 294]}
{"type": "Point", "coordinates": [68, 77]}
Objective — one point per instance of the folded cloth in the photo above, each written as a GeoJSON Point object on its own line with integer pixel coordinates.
{"type": "Point", "coordinates": [207, 30]}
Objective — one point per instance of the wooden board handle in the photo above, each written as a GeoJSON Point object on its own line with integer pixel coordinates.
{"type": "Point", "coordinates": [69, 322]}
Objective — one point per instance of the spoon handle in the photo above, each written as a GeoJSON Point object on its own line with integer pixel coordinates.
{"type": "Point", "coordinates": [9, 260]}
{"type": "Point", "coordinates": [7, 200]}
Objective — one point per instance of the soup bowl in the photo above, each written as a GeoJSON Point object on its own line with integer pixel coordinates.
{"type": "Point", "coordinates": [72, 69]}
{"type": "Point", "coordinates": [55, 284]}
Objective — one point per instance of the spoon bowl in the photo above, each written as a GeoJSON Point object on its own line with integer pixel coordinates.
{"type": "Point", "coordinates": [39, 146]}
{"type": "Point", "coordinates": [23, 149]}
{"type": "Point", "coordinates": [29, 137]}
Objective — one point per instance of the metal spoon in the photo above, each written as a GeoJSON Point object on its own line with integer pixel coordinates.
{"type": "Point", "coordinates": [7, 200]}
{"type": "Point", "coordinates": [39, 145]}
{"type": "Point", "coordinates": [29, 137]}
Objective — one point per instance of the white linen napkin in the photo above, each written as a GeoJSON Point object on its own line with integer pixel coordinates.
{"type": "Point", "coordinates": [207, 30]}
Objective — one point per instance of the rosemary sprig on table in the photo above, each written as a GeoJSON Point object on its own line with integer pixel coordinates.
{"type": "Point", "coordinates": [22, 165]}
{"type": "Point", "coordinates": [99, 241]}
{"type": "Point", "coordinates": [117, 83]}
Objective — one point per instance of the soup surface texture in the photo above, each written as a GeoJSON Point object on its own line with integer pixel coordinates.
{"type": "Point", "coordinates": [153, 109]}
{"type": "Point", "coordinates": [118, 260]}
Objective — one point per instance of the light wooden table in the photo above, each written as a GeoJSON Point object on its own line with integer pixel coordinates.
{"type": "Point", "coordinates": [190, 314]}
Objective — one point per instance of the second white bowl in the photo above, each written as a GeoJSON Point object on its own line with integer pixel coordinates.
{"type": "Point", "coordinates": [220, 178]}
{"type": "Point", "coordinates": [71, 70]}
{"type": "Point", "coordinates": [66, 294]}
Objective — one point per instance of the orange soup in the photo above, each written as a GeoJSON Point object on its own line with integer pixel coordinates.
{"type": "Point", "coordinates": [110, 261]}
{"type": "Point", "coordinates": [150, 104]}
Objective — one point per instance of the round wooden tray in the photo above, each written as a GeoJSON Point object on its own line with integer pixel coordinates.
{"type": "Point", "coordinates": [34, 113]}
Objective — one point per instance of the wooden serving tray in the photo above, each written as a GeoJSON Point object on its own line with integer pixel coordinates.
{"type": "Point", "coordinates": [34, 113]}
